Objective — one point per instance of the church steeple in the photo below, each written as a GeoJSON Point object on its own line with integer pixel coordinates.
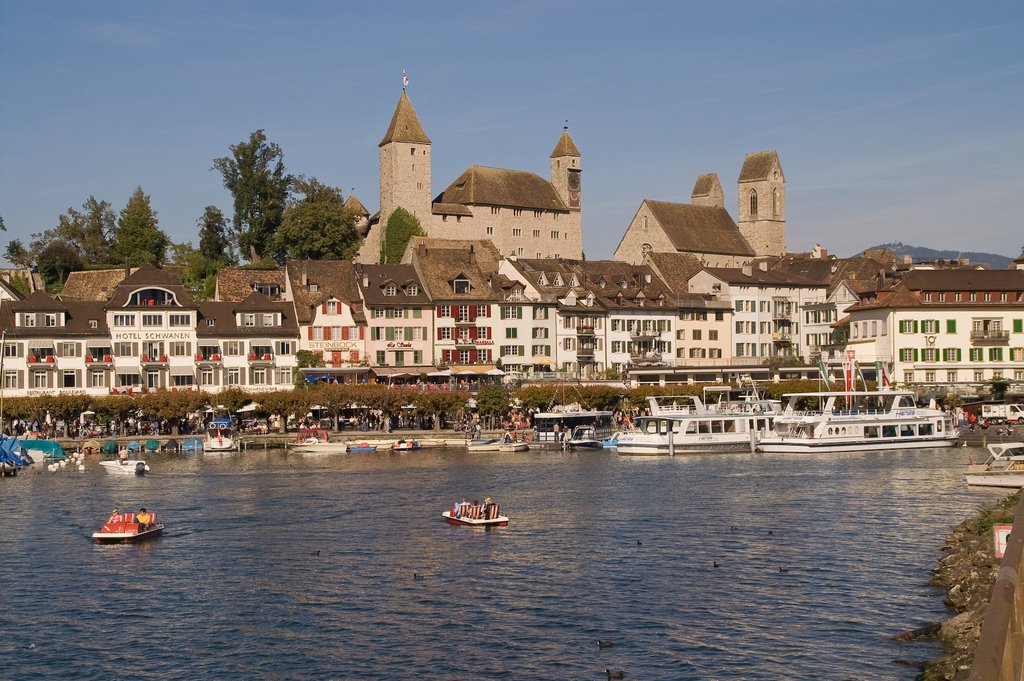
{"type": "Point", "coordinates": [565, 146]}
{"type": "Point", "coordinates": [405, 125]}
{"type": "Point", "coordinates": [565, 171]}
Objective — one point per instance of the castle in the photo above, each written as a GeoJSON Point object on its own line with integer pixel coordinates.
{"type": "Point", "coordinates": [522, 213]}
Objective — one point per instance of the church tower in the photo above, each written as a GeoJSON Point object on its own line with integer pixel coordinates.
{"type": "Point", "coordinates": [762, 203]}
{"type": "Point", "coordinates": [405, 166]}
{"type": "Point", "coordinates": [707, 191]}
{"type": "Point", "coordinates": [565, 178]}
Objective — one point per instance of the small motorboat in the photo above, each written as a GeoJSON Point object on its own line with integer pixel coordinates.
{"type": "Point", "coordinates": [612, 441]}
{"type": "Point", "coordinates": [483, 515]}
{"type": "Point", "coordinates": [1004, 467]}
{"type": "Point", "coordinates": [405, 445]}
{"type": "Point", "coordinates": [126, 466]}
{"type": "Point", "coordinates": [124, 527]}
{"type": "Point", "coordinates": [493, 445]}
{"type": "Point", "coordinates": [584, 437]}
{"type": "Point", "coordinates": [365, 447]}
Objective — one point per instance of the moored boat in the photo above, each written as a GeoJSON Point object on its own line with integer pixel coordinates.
{"type": "Point", "coordinates": [584, 437]}
{"type": "Point", "coordinates": [1004, 467]}
{"type": "Point", "coordinates": [125, 527]}
{"type": "Point", "coordinates": [725, 420]}
{"type": "Point", "coordinates": [220, 436]}
{"type": "Point", "coordinates": [858, 420]}
{"type": "Point", "coordinates": [126, 466]}
{"type": "Point", "coordinates": [405, 445]}
{"type": "Point", "coordinates": [364, 447]}
{"type": "Point", "coordinates": [495, 445]}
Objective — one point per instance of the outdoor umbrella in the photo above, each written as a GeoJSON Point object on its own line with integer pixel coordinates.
{"type": "Point", "coordinates": [92, 445]}
{"type": "Point", "coordinates": [133, 446]}
{"type": "Point", "coordinates": [171, 445]}
{"type": "Point", "coordinates": [110, 447]}
{"type": "Point", "coordinates": [152, 445]}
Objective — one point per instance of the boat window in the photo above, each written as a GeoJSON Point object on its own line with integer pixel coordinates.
{"type": "Point", "coordinates": [762, 425]}
{"type": "Point", "coordinates": [716, 427]}
{"type": "Point", "coordinates": [870, 431]}
{"type": "Point", "coordinates": [675, 426]}
{"type": "Point", "coordinates": [652, 427]}
{"type": "Point", "coordinates": [908, 430]}
{"type": "Point", "coordinates": [691, 427]}
{"type": "Point", "coordinates": [888, 431]}
{"type": "Point", "coordinates": [925, 429]}
{"type": "Point", "coordinates": [729, 426]}
{"type": "Point", "coordinates": [703, 427]}
{"type": "Point", "coordinates": [664, 427]}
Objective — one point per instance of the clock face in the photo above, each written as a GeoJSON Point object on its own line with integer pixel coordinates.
{"type": "Point", "coordinates": [574, 180]}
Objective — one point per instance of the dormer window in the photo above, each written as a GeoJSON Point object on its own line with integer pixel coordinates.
{"type": "Point", "coordinates": [623, 283]}
{"type": "Point", "coordinates": [460, 285]}
{"type": "Point", "coordinates": [152, 296]}
{"type": "Point", "coordinates": [412, 290]}
{"type": "Point", "coordinates": [94, 323]}
{"type": "Point", "coordinates": [557, 281]}
{"type": "Point", "coordinates": [28, 319]}
{"type": "Point", "coordinates": [211, 321]}
{"type": "Point", "coordinates": [573, 281]}
{"type": "Point", "coordinates": [391, 290]}
{"type": "Point", "coordinates": [332, 307]}
{"type": "Point", "coordinates": [51, 319]}
{"type": "Point", "coordinates": [313, 288]}
{"type": "Point", "coordinates": [542, 280]}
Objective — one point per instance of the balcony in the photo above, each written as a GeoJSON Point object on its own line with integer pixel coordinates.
{"type": "Point", "coordinates": [465, 320]}
{"type": "Point", "coordinates": [782, 337]}
{"type": "Point", "coordinates": [585, 351]}
{"type": "Point", "coordinates": [990, 337]}
{"type": "Point", "coordinates": [208, 358]}
{"type": "Point", "coordinates": [584, 330]}
{"type": "Point", "coordinates": [641, 334]}
{"type": "Point", "coordinates": [256, 358]}
{"type": "Point", "coordinates": [99, 359]}
{"type": "Point", "coordinates": [154, 360]}
{"type": "Point", "coordinates": [645, 358]}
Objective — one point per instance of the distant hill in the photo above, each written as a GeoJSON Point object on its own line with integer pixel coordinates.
{"type": "Point", "coordinates": [922, 254]}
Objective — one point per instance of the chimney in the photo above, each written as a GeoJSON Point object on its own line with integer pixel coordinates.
{"type": "Point", "coordinates": [747, 270]}
{"type": "Point", "coordinates": [366, 281]}
{"type": "Point", "coordinates": [471, 248]}
{"type": "Point", "coordinates": [881, 279]}
{"type": "Point", "coordinates": [824, 254]}
{"type": "Point", "coordinates": [305, 279]}
{"type": "Point", "coordinates": [763, 265]}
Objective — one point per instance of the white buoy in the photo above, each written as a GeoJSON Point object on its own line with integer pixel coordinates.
{"type": "Point", "coordinates": [81, 467]}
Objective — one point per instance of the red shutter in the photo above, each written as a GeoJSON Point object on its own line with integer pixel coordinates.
{"type": "Point", "coordinates": [472, 332]}
{"type": "Point", "coordinates": [362, 332]}
{"type": "Point", "coordinates": [439, 333]}
{"type": "Point", "coordinates": [474, 355]}
{"type": "Point", "coordinates": [353, 357]}
{"type": "Point", "coordinates": [485, 310]}
{"type": "Point", "coordinates": [438, 310]}
{"type": "Point", "coordinates": [311, 333]}
{"type": "Point", "coordinates": [344, 333]}
{"type": "Point", "coordinates": [446, 356]}
{"type": "Point", "coordinates": [472, 313]}
{"type": "Point", "coordinates": [323, 307]}
{"type": "Point", "coordinates": [488, 331]}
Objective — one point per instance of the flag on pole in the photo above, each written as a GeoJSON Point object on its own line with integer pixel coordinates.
{"type": "Point", "coordinates": [824, 374]}
{"type": "Point", "coordinates": [405, 79]}
{"type": "Point", "coordinates": [860, 373]}
{"type": "Point", "coordinates": [848, 374]}
{"type": "Point", "coordinates": [887, 374]}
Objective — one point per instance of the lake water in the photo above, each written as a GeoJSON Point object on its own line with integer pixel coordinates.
{"type": "Point", "coordinates": [599, 547]}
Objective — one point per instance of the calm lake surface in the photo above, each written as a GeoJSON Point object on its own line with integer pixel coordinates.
{"type": "Point", "coordinates": [599, 547]}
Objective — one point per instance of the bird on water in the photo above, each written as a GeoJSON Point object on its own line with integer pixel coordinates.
{"type": "Point", "coordinates": [605, 644]}
{"type": "Point", "coordinates": [715, 563]}
{"type": "Point", "coordinates": [615, 674]}
{"type": "Point", "coordinates": [416, 575]}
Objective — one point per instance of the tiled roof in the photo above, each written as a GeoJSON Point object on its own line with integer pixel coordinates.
{"type": "Point", "coordinates": [331, 278]}
{"type": "Point", "coordinates": [401, 275]}
{"type": "Point", "coordinates": [964, 280]}
{"type": "Point", "coordinates": [484, 250]}
{"type": "Point", "coordinates": [92, 284]}
{"type": "Point", "coordinates": [480, 185]}
{"type": "Point", "coordinates": [565, 146]}
{"type": "Point", "coordinates": [700, 229]}
{"type": "Point", "coordinates": [758, 165]}
{"type": "Point", "coordinates": [676, 269]}
{"type": "Point", "coordinates": [144, 276]}
{"type": "Point", "coordinates": [224, 325]}
{"type": "Point", "coordinates": [704, 184]}
{"type": "Point", "coordinates": [78, 315]}
{"type": "Point", "coordinates": [236, 283]}
{"type": "Point", "coordinates": [355, 205]}
{"type": "Point", "coordinates": [736, 275]}
{"type": "Point", "coordinates": [438, 268]}
{"type": "Point", "coordinates": [38, 302]}
{"type": "Point", "coordinates": [405, 125]}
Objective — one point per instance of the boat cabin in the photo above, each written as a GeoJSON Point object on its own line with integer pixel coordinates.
{"type": "Point", "coordinates": [551, 425]}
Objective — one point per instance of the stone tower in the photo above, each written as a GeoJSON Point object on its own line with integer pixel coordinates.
{"type": "Point", "coordinates": [566, 172]}
{"type": "Point", "coordinates": [707, 191]}
{"type": "Point", "coordinates": [405, 166]}
{"type": "Point", "coordinates": [762, 203]}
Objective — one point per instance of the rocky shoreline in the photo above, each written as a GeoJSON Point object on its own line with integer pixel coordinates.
{"type": "Point", "coordinates": [967, 571]}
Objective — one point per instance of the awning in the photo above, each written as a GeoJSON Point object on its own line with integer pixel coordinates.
{"type": "Point", "coordinates": [494, 372]}
{"type": "Point", "coordinates": [443, 374]}
{"type": "Point", "coordinates": [182, 371]}
{"type": "Point", "coordinates": [473, 369]}
{"type": "Point", "coordinates": [127, 372]}
{"type": "Point", "coordinates": [40, 344]}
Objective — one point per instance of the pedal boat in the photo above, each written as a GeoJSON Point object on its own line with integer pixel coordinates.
{"type": "Point", "coordinates": [125, 529]}
{"type": "Point", "coordinates": [497, 521]}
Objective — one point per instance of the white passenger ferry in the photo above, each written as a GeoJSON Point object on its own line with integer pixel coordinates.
{"type": "Point", "coordinates": [858, 420]}
{"type": "Point", "coordinates": [726, 420]}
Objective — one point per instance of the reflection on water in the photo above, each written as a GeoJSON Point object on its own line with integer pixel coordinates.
{"type": "Point", "coordinates": [278, 566]}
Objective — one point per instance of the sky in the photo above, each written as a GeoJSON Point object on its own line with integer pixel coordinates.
{"type": "Point", "coordinates": [893, 121]}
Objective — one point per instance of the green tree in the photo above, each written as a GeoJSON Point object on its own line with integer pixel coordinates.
{"type": "Point", "coordinates": [88, 232]}
{"type": "Point", "coordinates": [138, 239]}
{"type": "Point", "coordinates": [316, 224]}
{"type": "Point", "coordinates": [17, 254]}
{"type": "Point", "coordinates": [402, 226]}
{"type": "Point", "coordinates": [254, 174]}
{"type": "Point", "coordinates": [214, 244]}
{"type": "Point", "coordinates": [55, 262]}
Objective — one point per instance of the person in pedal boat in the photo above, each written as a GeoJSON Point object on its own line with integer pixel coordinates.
{"type": "Point", "coordinates": [144, 519]}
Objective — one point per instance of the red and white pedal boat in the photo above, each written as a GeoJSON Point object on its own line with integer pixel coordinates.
{"type": "Point", "coordinates": [124, 528]}
{"type": "Point", "coordinates": [496, 519]}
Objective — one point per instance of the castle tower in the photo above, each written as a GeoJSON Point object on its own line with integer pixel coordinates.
{"type": "Point", "coordinates": [762, 203]}
{"type": "Point", "coordinates": [405, 166]}
{"type": "Point", "coordinates": [707, 191]}
{"type": "Point", "coordinates": [565, 178]}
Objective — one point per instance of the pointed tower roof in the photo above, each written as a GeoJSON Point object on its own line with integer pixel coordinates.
{"type": "Point", "coordinates": [405, 125]}
{"type": "Point", "coordinates": [705, 184]}
{"type": "Point", "coordinates": [354, 204]}
{"type": "Point", "coordinates": [565, 146]}
{"type": "Point", "coordinates": [758, 165]}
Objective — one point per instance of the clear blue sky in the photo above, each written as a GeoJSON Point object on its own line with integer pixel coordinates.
{"type": "Point", "coordinates": [893, 120]}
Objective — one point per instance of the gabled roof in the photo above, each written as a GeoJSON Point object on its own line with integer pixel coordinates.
{"type": "Point", "coordinates": [964, 280]}
{"type": "Point", "coordinates": [405, 125]}
{"type": "Point", "coordinates": [77, 316]}
{"type": "Point", "coordinates": [332, 278]}
{"type": "Point", "coordinates": [375, 277]}
{"type": "Point", "coordinates": [355, 205]}
{"type": "Point", "coordinates": [736, 275]}
{"type": "Point", "coordinates": [705, 184]}
{"type": "Point", "coordinates": [226, 326]}
{"type": "Point", "coordinates": [483, 250]}
{"type": "Point", "coordinates": [12, 293]}
{"type": "Point", "coordinates": [676, 269]}
{"type": "Point", "coordinates": [39, 301]}
{"type": "Point", "coordinates": [700, 229]}
{"type": "Point", "coordinates": [148, 275]}
{"type": "Point", "coordinates": [758, 166]}
{"type": "Point", "coordinates": [255, 302]}
{"type": "Point", "coordinates": [236, 283]}
{"type": "Point", "coordinates": [480, 185]}
{"type": "Point", "coordinates": [438, 267]}
{"type": "Point", "coordinates": [565, 146]}
{"type": "Point", "coordinates": [96, 285]}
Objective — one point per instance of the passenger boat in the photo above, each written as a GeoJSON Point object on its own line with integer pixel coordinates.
{"type": "Point", "coordinates": [1004, 467]}
{"type": "Point", "coordinates": [364, 447]}
{"type": "Point", "coordinates": [555, 425]}
{"type": "Point", "coordinates": [405, 445]}
{"type": "Point", "coordinates": [858, 420]}
{"type": "Point", "coordinates": [125, 466]}
{"type": "Point", "coordinates": [495, 445]}
{"type": "Point", "coordinates": [584, 437]}
{"type": "Point", "coordinates": [220, 436]}
{"type": "Point", "coordinates": [726, 420]}
{"type": "Point", "coordinates": [485, 515]}
{"type": "Point", "coordinates": [125, 528]}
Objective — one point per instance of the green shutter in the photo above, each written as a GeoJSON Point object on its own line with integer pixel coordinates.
{"type": "Point", "coordinates": [935, 326]}
{"type": "Point", "coordinates": [1018, 325]}
{"type": "Point", "coordinates": [915, 354]}
{"type": "Point", "coordinates": [959, 355]}
{"type": "Point", "coordinates": [950, 326]}
{"type": "Point", "coordinates": [389, 333]}
{"type": "Point", "coordinates": [914, 326]}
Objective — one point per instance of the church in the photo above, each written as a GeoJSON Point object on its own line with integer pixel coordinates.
{"type": "Point", "coordinates": [520, 212]}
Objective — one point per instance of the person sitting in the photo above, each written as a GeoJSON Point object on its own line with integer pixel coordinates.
{"type": "Point", "coordinates": [115, 517]}
{"type": "Point", "coordinates": [461, 508]}
{"type": "Point", "coordinates": [144, 519]}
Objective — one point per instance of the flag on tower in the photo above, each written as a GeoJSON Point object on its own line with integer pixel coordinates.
{"type": "Point", "coordinates": [405, 79]}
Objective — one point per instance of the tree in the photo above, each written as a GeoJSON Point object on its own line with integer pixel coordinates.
{"type": "Point", "coordinates": [87, 232]}
{"type": "Point", "coordinates": [55, 262]}
{"type": "Point", "coordinates": [138, 239]}
{"type": "Point", "coordinates": [255, 176]}
{"type": "Point", "coordinates": [402, 226]}
{"type": "Point", "coordinates": [16, 254]}
{"type": "Point", "coordinates": [214, 244]}
{"type": "Point", "coordinates": [317, 225]}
